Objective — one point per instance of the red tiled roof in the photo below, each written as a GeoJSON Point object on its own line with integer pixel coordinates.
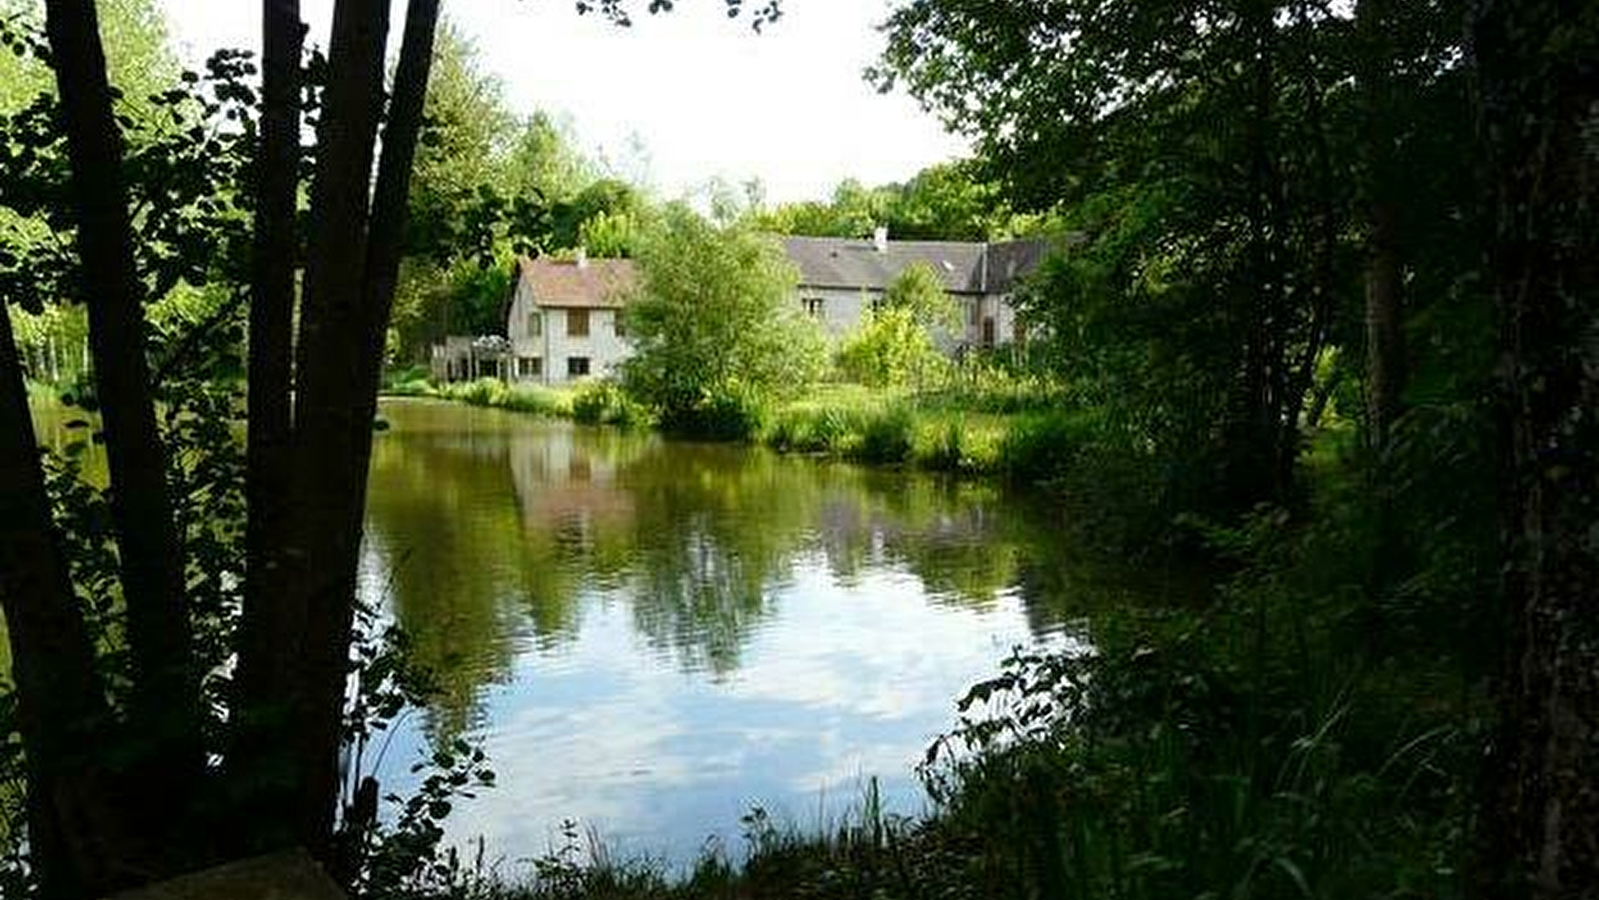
{"type": "Point", "coordinates": [598, 283]}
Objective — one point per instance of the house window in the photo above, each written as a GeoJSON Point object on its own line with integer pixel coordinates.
{"type": "Point", "coordinates": [577, 323]}
{"type": "Point", "coordinates": [535, 324]}
{"type": "Point", "coordinates": [975, 313]}
{"type": "Point", "coordinates": [619, 322]}
{"type": "Point", "coordinates": [530, 366]}
{"type": "Point", "coordinates": [577, 366]}
{"type": "Point", "coordinates": [988, 331]}
{"type": "Point", "coordinates": [814, 306]}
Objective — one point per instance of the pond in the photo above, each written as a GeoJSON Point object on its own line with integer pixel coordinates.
{"type": "Point", "coordinates": [652, 637]}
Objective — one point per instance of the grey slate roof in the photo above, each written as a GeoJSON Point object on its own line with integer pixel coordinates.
{"type": "Point", "coordinates": [966, 268]}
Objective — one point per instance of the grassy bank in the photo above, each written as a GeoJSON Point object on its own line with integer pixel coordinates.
{"type": "Point", "coordinates": [1014, 432]}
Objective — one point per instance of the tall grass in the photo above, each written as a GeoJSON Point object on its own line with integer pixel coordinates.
{"type": "Point", "coordinates": [536, 399]}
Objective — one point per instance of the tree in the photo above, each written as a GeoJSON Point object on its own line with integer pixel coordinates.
{"type": "Point", "coordinates": [896, 345]}
{"type": "Point", "coordinates": [1537, 95]}
{"type": "Point", "coordinates": [1225, 163]}
{"type": "Point", "coordinates": [121, 796]}
{"type": "Point", "coordinates": [714, 325]}
{"type": "Point", "coordinates": [943, 202]}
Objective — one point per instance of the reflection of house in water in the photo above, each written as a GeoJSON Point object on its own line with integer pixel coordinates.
{"type": "Point", "coordinates": [565, 487]}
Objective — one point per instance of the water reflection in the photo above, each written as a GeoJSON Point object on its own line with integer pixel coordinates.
{"type": "Point", "coordinates": [486, 531]}
{"type": "Point", "coordinates": [651, 636]}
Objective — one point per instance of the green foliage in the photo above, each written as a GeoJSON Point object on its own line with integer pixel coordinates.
{"type": "Point", "coordinates": [895, 344]}
{"type": "Point", "coordinates": [1223, 173]}
{"type": "Point", "coordinates": [889, 349]}
{"type": "Point", "coordinates": [944, 202]}
{"type": "Point", "coordinates": [463, 297]}
{"type": "Point", "coordinates": [715, 333]}
{"type": "Point", "coordinates": [604, 402]}
{"type": "Point", "coordinates": [887, 437]}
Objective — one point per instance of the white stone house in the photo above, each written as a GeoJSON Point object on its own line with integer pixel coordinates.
{"type": "Point", "coordinates": [565, 320]}
{"type": "Point", "coordinates": [841, 278]}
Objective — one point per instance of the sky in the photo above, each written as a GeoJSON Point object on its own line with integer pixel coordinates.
{"type": "Point", "coordinates": [679, 98]}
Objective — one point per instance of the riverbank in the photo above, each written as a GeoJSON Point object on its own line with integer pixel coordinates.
{"type": "Point", "coordinates": [1015, 431]}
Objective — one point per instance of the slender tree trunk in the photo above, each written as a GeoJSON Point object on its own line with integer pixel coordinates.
{"type": "Point", "coordinates": [1538, 98]}
{"type": "Point", "coordinates": [1385, 361]}
{"type": "Point", "coordinates": [347, 367]}
{"type": "Point", "coordinates": [324, 538]}
{"type": "Point", "coordinates": [62, 710]}
{"type": "Point", "coordinates": [270, 636]}
{"type": "Point", "coordinates": [1385, 346]}
{"type": "Point", "coordinates": [165, 705]}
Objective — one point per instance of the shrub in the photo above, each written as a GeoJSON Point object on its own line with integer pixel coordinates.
{"type": "Point", "coordinates": [729, 415]}
{"type": "Point", "coordinates": [888, 436]}
{"type": "Point", "coordinates": [606, 403]}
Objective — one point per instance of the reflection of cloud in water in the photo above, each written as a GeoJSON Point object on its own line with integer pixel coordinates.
{"type": "Point", "coordinates": [847, 684]}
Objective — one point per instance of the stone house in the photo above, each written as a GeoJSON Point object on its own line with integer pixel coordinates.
{"type": "Point", "coordinates": [565, 318]}
{"type": "Point", "coordinates": [841, 278]}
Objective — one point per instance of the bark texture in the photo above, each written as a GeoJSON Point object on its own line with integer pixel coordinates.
{"type": "Point", "coordinates": [1538, 95]}
{"type": "Point", "coordinates": [62, 709]}
{"type": "Point", "coordinates": [1385, 360]}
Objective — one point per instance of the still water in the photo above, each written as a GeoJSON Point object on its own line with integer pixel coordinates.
{"type": "Point", "coordinates": [652, 637]}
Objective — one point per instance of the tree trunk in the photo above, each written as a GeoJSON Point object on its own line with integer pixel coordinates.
{"type": "Point", "coordinates": [1538, 106]}
{"type": "Point", "coordinates": [165, 704]}
{"type": "Point", "coordinates": [62, 707]}
{"type": "Point", "coordinates": [1385, 363]}
{"type": "Point", "coordinates": [346, 367]}
{"type": "Point", "coordinates": [324, 534]}
{"type": "Point", "coordinates": [270, 638]}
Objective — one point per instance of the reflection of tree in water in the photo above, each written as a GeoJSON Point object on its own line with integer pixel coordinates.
{"type": "Point", "coordinates": [500, 526]}
{"type": "Point", "coordinates": [717, 528]}
{"type": "Point", "coordinates": [441, 573]}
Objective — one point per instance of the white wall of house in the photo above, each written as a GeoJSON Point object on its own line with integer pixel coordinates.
{"type": "Point", "coordinates": [604, 349]}
{"type": "Point", "coordinates": [839, 310]}
{"type": "Point", "coordinates": [543, 343]}
{"type": "Point", "coordinates": [543, 333]}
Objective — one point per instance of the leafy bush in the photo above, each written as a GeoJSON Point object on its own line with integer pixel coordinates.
{"type": "Point", "coordinates": [727, 415]}
{"type": "Point", "coordinates": [606, 403]}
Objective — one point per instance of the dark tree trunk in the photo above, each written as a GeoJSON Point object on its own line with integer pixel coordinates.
{"type": "Point", "coordinates": [346, 368]}
{"type": "Point", "coordinates": [270, 638]}
{"type": "Point", "coordinates": [62, 705]}
{"type": "Point", "coordinates": [1538, 95]}
{"type": "Point", "coordinates": [165, 705]}
{"type": "Point", "coordinates": [1385, 346]}
{"type": "Point", "coordinates": [324, 528]}
{"type": "Point", "coordinates": [1385, 362]}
